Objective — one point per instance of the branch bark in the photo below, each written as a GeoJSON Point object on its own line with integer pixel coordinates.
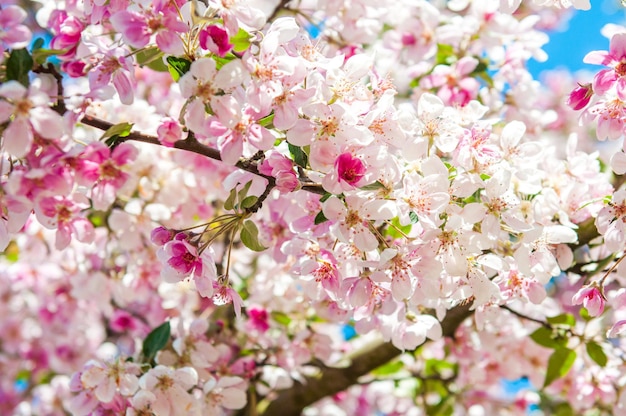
{"type": "Point", "coordinates": [291, 402]}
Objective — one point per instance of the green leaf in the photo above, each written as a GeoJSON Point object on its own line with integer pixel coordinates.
{"type": "Point", "coordinates": [563, 409]}
{"type": "Point", "coordinates": [221, 61]}
{"type": "Point", "coordinates": [414, 218]}
{"type": "Point", "coordinates": [320, 218]}
{"type": "Point", "coordinates": [249, 201]}
{"type": "Point", "coordinates": [596, 353]}
{"type": "Point", "coordinates": [325, 196]}
{"type": "Point", "coordinates": [156, 340]}
{"type": "Point", "coordinates": [445, 55]}
{"type": "Point", "coordinates": [38, 43]}
{"type": "Point", "coordinates": [120, 130]}
{"type": "Point", "coordinates": [178, 66]}
{"type": "Point", "coordinates": [12, 252]}
{"type": "Point", "coordinates": [388, 369]}
{"type": "Point", "coordinates": [547, 338]}
{"type": "Point", "coordinates": [393, 232]}
{"type": "Point", "coordinates": [229, 204]}
{"type": "Point", "coordinates": [281, 318]}
{"type": "Point", "coordinates": [250, 236]}
{"type": "Point", "coordinates": [243, 192]}
{"type": "Point", "coordinates": [241, 41]}
{"type": "Point", "coordinates": [559, 364]}
{"type": "Point", "coordinates": [298, 155]}
{"type": "Point", "coordinates": [563, 319]}
{"type": "Point", "coordinates": [267, 120]}
{"type": "Point", "coordinates": [18, 66]}
{"type": "Point", "coordinates": [373, 186]}
{"type": "Point", "coordinates": [152, 58]}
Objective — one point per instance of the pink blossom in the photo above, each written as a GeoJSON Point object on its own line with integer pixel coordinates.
{"type": "Point", "coordinates": [103, 170]}
{"type": "Point", "coordinates": [169, 131]}
{"type": "Point", "coordinates": [615, 57]}
{"type": "Point", "coordinates": [592, 298]}
{"type": "Point", "coordinates": [215, 39]}
{"type": "Point", "coordinates": [28, 112]}
{"type": "Point", "coordinates": [68, 35]}
{"type": "Point", "coordinates": [114, 67]}
{"type": "Point", "coordinates": [13, 34]}
{"type": "Point", "coordinates": [64, 214]}
{"type": "Point", "coordinates": [258, 319]}
{"type": "Point", "coordinates": [235, 125]}
{"type": "Point", "coordinates": [281, 168]}
{"type": "Point", "coordinates": [224, 294]}
{"type": "Point", "coordinates": [137, 28]}
{"type": "Point", "coordinates": [169, 388]}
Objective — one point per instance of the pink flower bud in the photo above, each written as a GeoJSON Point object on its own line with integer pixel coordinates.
{"type": "Point", "coordinates": [169, 131]}
{"type": "Point", "coordinates": [580, 97]}
{"type": "Point", "coordinates": [215, 39]}
{"type": "Point", "coordinates": [161, 235]}
{"type": "Point", "coordinates": [592, 298]}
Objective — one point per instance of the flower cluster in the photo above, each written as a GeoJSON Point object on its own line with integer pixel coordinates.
{"type": "Point", "coordinates": [208, 207]}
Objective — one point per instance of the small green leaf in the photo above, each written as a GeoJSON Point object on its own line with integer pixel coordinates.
{"type": "Point", "coordinates": [38, 43]}
{"type": "Point", "coordinates": [229, 204]}
{"type": "Point", "coordinates": [563, 409]}
{"type": "Point", "coordinates": [546, 338]}
{"type": "Point", "coordinates": [249, 201]}
{"type": "Point", "coordinates": [156, 340]}
{"type": "Point", "coordinates": [320, 218]}
{"type": "Point", "coordinates": [563, 319]}
{"type": "Point", "coordinates": [596, 353]}
{"type": "Point", "coordinates": [396, 230]}
{"type": "Point", "coordinates": [298, 155]}
{"type": "Point", "coordinates": [250, 236]}
{"type": "Point", "coordinates": [325, 196]}
{"type": "Point", "coordinates": [281, 318]}
{"type": "Point", "coordinates": [152, 58]}
{"type": "Point", "coordinates": [121, 130]}
{"type": "Point", "coordinates": [12, 252]}
{"type": "Point", "coordinates": [221, 61]}
{"type": "Point", "coordinates": [241, 41]}
{"type": "Point", "coordinates": [414, 218]}
{"type": "Point", "coordinates": [484, 176]}
{"type": "Point", "coordinates": [559, 364]}
{"type": "Point", "coordinates": [18, 65]}
{"type": "Point", "coordinates": [178, 66]}
{"type": "Point", "coordinates": [388, 369]}
{"type": "Point", "coordinates": [267, 120]}
{"type": "Point", "coordinates": [243, 192]}
{"type": "Point", "coordinates": [445, 54]}
{"type": "Point", "coordinates": [373, 186]}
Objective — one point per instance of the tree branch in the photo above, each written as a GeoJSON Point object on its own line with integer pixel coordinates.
{"type": "Point", "coordinates": [292, 401]}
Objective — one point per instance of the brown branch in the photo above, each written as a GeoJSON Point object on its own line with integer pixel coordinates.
{"type": "Point", "coordinates": [292, 401]}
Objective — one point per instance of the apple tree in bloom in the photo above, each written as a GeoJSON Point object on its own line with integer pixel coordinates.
{"type": "Point", "coordinates": [285, 207]}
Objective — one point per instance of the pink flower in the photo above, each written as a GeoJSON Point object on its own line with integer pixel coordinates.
{"type": "Point", "coordinates": [13, 34]}
{"type": "Point", "coordinates": [170, 389]}
{"type": "Point", "coordinates": [114, 67]}
{"type": "Point", "coordinates": [215, 39]}
{"type": "Point", "coordinates": [102, 169]}
{"type": "Point", "coordinates": [64, 215]}
{"type": "Point", "coordinates": [592, 298]}
{"type": "Point", "coordinates": [224, 294]}
{"type": "Point", "coordinates": [181, 260]}
{"type": "Point", "coordinates": [281, 168]}
{"type": "Point", "coordinates": [258, 319]}
{"type": "Point", "coordinates": [235, 125]}
{"type": "Point", "coordinates": [349, 169]}
{"type": "Point", "coordinates": [137, 28]}
{"type": "Point", "coordinates": [615, 57]}
{"type": "Point", "coordinates": [28, 112]}
{"type": "Point", "coordinates": [68, 36]}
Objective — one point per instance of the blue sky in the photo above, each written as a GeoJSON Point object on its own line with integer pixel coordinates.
{"type": "Point", "coordinates": [568, 47]}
